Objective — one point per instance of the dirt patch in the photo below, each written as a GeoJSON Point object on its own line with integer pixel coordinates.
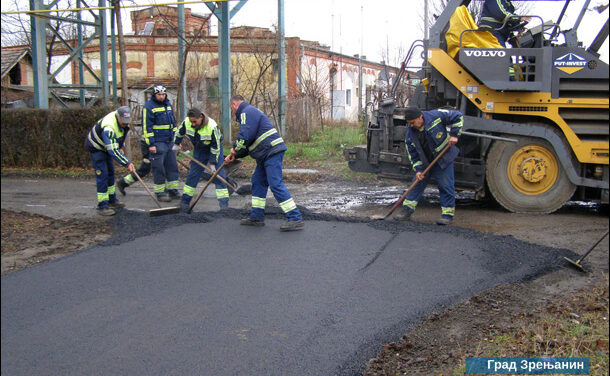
{"type": "Point", "coordinates": [440, 345]}
{"type": "Point", "coordinates": [29, 239]}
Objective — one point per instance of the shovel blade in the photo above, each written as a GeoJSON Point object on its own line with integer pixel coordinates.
{"type": "Point", "coordinates": [164, 211]}
{"type": "Point", "coordinates": [574, 263]}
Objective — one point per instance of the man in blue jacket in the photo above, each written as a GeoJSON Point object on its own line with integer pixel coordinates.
{"type": "Point", "coordinates": [206, 138]}
{"type": "Point", "coordinates": [159, 128]}
{"type": "Point", "coordinates": [428, 134]}
{"type": "Point", "coordinates": [104, 143]}
{"type": "Point", "coordinates": [496, 13]}
{"type": "Point", "coordinates": [259, 138]}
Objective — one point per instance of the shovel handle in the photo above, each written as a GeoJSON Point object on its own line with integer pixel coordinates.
{"type": "Point", "coordinates": [206, 186]}
{"type": "Point", "coordinates": [404, 195]}
{"type": "Point", "coordinates": [209, 170]}
{"type": "Point", "coordinates": [147, 189]}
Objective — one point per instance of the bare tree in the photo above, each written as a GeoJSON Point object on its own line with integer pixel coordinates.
{"type": "Point", "coordinates": [16, 28]}
{"type": "Point", "coordinates": [196, 36]}
{"type": "Point", "coordinates": [254, 74]}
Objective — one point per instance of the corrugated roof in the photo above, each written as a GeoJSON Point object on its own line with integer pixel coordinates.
{"type": "Point", "coordinates": [10, 58]}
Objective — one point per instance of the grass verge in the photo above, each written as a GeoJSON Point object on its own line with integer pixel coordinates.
{"type": "Point", "coordinates": [577, 327]}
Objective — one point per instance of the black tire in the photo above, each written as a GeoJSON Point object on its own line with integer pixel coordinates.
{"type": "Point", "coordinates": [513, 168]}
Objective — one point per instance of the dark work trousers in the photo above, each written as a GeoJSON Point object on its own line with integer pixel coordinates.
{"type": "Point", "coordinates": [268, 174]}
{"type": "Point", "coordinates": [104, 178]}
{"type": "Point", "coordinates": [195, 172]}
{"type": "Point", "coordinates": [164, 169]}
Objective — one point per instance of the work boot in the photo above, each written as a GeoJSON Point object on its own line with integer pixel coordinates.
{"type": "Point", "coordinates": [444, 220]}
{"type": "Point", "coordinates": [164, 198]}
{"type": "Point", "coordinates": [251, 222]}
{"type": "Point", "coordinates": [184, 207]}
{"type": "Point", "coordinates": [107, 212]}
{"type": "Point", "coordinates": [292, 225]}
{"type": "Point", "coordinates": [405, 214]}
{"type": "Point", "coordinates": [117, 205]}
{"type": "Point", "coordinates": [121, 185]}
{"type": "Point", "coordinates": [174, 195]}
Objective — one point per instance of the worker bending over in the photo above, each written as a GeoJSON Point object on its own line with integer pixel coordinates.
{"type": "Point", "coordinates": [426, 137]}
{"type": "Point", "coordinates": [105, 142]}
{"type": "Point", "coordinates": [258, 138]}
{"type": "Point", "coordinates": [206, 138]}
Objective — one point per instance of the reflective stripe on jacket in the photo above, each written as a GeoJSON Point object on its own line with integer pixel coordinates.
{"type": "Point", "coordinates": [107, 135]}
{"type": "Point", "coordinates": [436, 123]}
{"type": "Point", "coordinates": [257, 136]}
{"type": "Point", "coordinates": [496, 12]}
{"type": "Point", "coordinates": [207, 139]}
{"type": "Point", "coordinates": [158, 122]}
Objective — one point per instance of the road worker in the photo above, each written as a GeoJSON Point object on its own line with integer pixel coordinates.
{"type": "Point", "coordinates": [204, 134]}
{"type": "Point", "coordinates": [258, 138]}
{"type": "Point", "coordinates": [496, 13]}
{"type": "Point", "coordinates": [159, 127]}
{"type": "Point", "coordinates": [105, 142]}
{"type": "Point", "coordinates": [428, 134]}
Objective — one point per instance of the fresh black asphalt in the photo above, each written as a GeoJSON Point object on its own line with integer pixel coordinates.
{"type": "Point", "coordinates": [202, 295]}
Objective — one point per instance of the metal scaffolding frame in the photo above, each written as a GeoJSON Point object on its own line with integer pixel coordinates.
{"type": "Point", "coordinates": [44, 84]}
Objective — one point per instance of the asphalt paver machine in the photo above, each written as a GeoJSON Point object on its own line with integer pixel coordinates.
{"type": "Point", "coordinates": [535, 115]}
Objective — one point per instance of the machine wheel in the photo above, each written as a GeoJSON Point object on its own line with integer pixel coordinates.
{"type": "Point", "coordinates": [527, 177]}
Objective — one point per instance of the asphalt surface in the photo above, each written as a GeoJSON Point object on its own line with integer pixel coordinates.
{"type": "Point", "coordinates": [201, 295]}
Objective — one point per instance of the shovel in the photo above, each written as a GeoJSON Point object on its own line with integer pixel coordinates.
{"type": "Point", "coordinates": [577, 263]}
{"type": "Point", "coordinates": [402, 198]}
{"type": "Point", "coordinates": [161, 210]}
{"type": "Point", "coordinates": [209, 170]}
{"type": "Point", "coordinates": [190, 209]}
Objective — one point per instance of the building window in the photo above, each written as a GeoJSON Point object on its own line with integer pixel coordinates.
{"type": "Point", "coordinates": [348, 97]}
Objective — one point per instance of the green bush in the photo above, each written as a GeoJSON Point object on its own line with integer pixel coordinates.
{"type": "Point", "coordinates": [47, 138]}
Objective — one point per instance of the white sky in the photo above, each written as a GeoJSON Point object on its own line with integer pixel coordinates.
{"type": "Point", "coordinates": [368, 26]}
{"type": "Point", "coordinates": [342, 24]}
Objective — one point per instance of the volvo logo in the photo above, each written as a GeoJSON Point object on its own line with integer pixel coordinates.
{"type": "Point", "coordinates": [485, 53]}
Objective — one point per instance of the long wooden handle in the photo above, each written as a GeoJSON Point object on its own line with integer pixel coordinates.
{"type": "Point", "coordinates": [206, 186]}
{"type": "Point", "coordinates": [404, 195]}
{"type": "Point", "coordinates": [147, 189]}
{"type": "Point", "coordinates": [209, 170]}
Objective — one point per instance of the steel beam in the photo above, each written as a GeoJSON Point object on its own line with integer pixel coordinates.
{"type": "Point", "coordinates": [39, 56]}
{"type": "Point", "coordinates": [224, 68]}
{"type": "Point", "coordinates": [181, 63]}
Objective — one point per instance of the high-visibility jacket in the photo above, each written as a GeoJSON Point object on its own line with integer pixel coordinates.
{"type": "Point", "coordinates": [107, 135]}
{"type": "Point", "coordinates": [158, 122]}
{"type": "Point", "coordinates": [257, 136]}
{"type": "Point", "coordinates": [206, 139]}
{"type": "Point", "coordinates": [436, 123]}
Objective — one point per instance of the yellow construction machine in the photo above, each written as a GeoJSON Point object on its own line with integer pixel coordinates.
{"type": "Point", "coordinates": [535, 116]}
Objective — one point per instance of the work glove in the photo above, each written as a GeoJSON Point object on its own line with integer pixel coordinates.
{"type": "Point", "coordinates": [212, 168]}
{"type": "Point", "coordinates": [176, 149]}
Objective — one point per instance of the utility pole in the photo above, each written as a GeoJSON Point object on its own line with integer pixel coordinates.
{"type": "Point", "coordinates": [281, 82]}
{"type": "Point", "coordinates": [426, 20]}
{"type": "Point", "coordinates": [181, 63]}
{"type": "Point", "coordinates": [360, 66]}
{"type": "Point", "coordinates": [122, 54]}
